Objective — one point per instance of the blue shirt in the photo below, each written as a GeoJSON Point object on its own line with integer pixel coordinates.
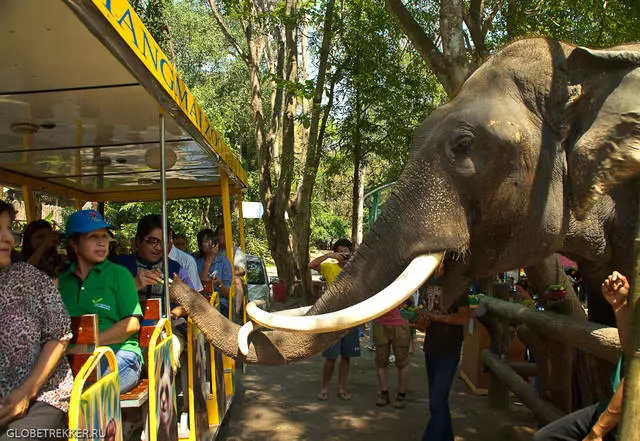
{"type": "Point", "coordinates": [132, 263]}
{"type": "Point", "coordinates": [223, 267]}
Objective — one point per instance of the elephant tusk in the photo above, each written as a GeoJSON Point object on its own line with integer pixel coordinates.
{"type": "Point", "coordinates": [243, 337]}
{"type": "Point", "coordinates": [247, 328]}
{"type": "Point", "coordinates": [389, 298]}
{"type": "Point", "coordinates": [294, 312]}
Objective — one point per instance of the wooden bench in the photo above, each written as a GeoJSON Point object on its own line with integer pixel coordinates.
{"type": "Point", "coordinates": [151, 311]}
{"type": "Point", "coordinates": [85, 340]}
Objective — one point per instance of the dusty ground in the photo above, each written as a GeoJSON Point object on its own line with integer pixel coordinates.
{"type": "Point", "coordinates": [279, 403]}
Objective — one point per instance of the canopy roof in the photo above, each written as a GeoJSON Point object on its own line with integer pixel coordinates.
{"type": "Point", "coordinates": [82, 84]}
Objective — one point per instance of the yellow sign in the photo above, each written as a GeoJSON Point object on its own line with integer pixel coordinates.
{"type": "Point", "coordinates": [126, 22]}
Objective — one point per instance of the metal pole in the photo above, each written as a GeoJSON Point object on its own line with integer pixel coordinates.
{"type": "Point", "coordinates": [630, 423]}
{"type": "Point", "coordinates": [375, 207]}
{"type": "Point", "coordinates": [165, 230]}
{"type": "Point", "coordinates": [228, 234]}
{"type": "Point", "coordinates": [240, 221]}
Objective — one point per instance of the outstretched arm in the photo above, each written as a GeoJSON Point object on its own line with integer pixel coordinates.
{"type": "Point", "coordinates": [609, 418]}
{"type": "Point", "coordinates": [460, 317]}
{"type": "Point", "coordinates": [315, 263]}
{"type": "Point", "coordinates": [615, 290]}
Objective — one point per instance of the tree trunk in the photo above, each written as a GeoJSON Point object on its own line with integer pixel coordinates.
{"type": "Point", "coordinates": [358, 177]}
{"type": "Point", "coordinates": [453, 48]}
{"type": "Point", "coordinates": [301, 206]}
{"type": "Point", "coordinates": [357, 218]}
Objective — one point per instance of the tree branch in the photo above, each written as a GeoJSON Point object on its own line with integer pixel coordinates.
{"type": "Point", "coordinates": [225, 31]}
{"type": "Point", "coordinates": [423, 44]}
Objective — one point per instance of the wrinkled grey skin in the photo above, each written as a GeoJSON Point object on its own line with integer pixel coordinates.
{"type": "Point", "coordinates": [538, 153]}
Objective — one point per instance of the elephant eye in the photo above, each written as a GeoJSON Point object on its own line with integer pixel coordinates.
{"type": "Point", "coordinates": [462, 144]}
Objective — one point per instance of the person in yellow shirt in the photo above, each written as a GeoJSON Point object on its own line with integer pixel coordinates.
{"type": "Point", "coordinates": [349, 345]}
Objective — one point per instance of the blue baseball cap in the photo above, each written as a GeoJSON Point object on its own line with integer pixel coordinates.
{"type": "Point", "coordinates": [85, 221]}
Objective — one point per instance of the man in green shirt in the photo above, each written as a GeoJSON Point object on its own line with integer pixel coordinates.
{"type": "Point", "coordinates": [94, 285]}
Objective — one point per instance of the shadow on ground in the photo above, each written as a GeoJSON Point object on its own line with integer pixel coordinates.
{"type": "Point", "coordinates": [279, 403]}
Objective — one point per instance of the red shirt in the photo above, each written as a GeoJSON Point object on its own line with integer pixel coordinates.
{"type": "Point", "coordinates": [391, 318]}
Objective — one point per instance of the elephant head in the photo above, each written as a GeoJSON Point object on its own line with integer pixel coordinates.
{"type": "Point", "coordinates": [497, 177]}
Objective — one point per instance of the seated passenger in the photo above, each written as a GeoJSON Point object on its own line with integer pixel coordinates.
{"type": "Point", "coordinates": [40, 248]}
{"type": "Point", "coordinates": [214, 268]}
{"type": "Point", "coordinates": [186, 261]}
{"type": "Point", "coordinates": [146, 265]}
{"type": "Point", "coordinates": [180, 242]}
{"type": "Point", "coordinates": [35, 379]}
{"type": "Point", "coordinates": [94, 285]}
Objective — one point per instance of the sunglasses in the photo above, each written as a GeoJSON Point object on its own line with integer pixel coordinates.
{"type": "Point", "coordinates": [153, 241]}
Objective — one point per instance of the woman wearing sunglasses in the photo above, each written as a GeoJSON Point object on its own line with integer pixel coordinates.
{"type": "Point", "coordinates": [146, 265]}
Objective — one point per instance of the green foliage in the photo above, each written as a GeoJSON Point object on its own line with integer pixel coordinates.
{"type": "Point", "coordinates": [326, 226]}
{"type": "Point", "coordinates": [591, 23]}
{"type": "Point", "coordinates": [256, 239]}
{"type": "Point", "coordinates": [125, 216]}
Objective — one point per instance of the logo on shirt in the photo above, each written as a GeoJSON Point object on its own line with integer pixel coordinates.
{"type": "Point", "coordinates": [97, 304]}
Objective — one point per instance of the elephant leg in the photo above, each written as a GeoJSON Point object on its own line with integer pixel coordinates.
{"type": "Point", "coordinates": [557, 361]}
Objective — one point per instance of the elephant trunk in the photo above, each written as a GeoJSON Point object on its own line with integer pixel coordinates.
{"type": "Point", "coordinates": [433, 222]}
{"type": "Point", "coordinates": [423, 215]}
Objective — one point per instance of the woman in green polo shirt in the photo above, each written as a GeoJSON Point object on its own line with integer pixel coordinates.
{"type": "Point", "coordinates": [94, 285]}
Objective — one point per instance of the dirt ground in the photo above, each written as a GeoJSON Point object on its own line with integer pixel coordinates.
{"type": "Point", "coordinates": [280, 404]}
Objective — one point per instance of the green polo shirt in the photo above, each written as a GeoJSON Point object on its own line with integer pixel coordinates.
{"type": "Point", "coordinates": [108, 291]}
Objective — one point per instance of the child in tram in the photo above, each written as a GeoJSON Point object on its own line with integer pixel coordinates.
{"type": "Point", "coordinates": [95, 285]}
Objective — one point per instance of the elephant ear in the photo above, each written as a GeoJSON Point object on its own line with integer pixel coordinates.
{"type": "Point", "coordinates": [606, 117]}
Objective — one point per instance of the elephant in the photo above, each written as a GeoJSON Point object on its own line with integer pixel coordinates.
{"type": "Point", "coordinates": [537, 154]}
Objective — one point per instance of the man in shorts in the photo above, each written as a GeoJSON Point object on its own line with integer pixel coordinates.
{"type": "Point", "coordinates": [391, 330]}
{"type": "Point", "coordinates": [349, 345]}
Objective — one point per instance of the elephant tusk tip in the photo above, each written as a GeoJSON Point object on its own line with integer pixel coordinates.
{"type": "Point", "coordinates": [243, 337]}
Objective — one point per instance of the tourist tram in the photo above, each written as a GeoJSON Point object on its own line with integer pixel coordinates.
{"type": "Point", "coordinates": [92, 109]}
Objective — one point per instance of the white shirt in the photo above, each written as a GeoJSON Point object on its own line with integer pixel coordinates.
{"type": "Point", "coordinates": [187, 262]}
{"type": "Point", "coordinates": [239, 257]}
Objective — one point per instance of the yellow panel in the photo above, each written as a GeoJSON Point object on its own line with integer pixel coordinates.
{"type": "Point", "coordinates": [198, 411]}
{"type": "Point", "coordinates": [94, 412]}
{"type": "Point", "coordinates": [29, 203]}
{"type": "Point", "coordinates": [162, 395]}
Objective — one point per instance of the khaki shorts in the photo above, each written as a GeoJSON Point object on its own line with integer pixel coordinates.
{"type": "Point", "coordinates": [386, 336]}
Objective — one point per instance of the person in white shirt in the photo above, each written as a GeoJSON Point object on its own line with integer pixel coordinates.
{"type": "Point", "coordinates": [186, 261]}
{"type": "Point", "coordinates": [239, 269]}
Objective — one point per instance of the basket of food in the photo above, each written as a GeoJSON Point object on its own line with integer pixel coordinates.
{"type": "Point", "coordinates": [474, 299]}
{"type": "Point", "coordinates": [410, 313]}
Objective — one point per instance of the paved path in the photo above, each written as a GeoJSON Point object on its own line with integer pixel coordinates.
{"type": "Point", "coordinates": [279, 404]}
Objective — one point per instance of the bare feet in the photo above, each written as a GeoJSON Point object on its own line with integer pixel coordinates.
{"type": "Point", "coordinates": [323, 395]}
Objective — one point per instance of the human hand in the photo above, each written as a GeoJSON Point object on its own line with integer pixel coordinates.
{"type": "Point", "coordinates": [341, 257]}
{"type": "Point", "coordinates": [422, 321]}
{"type": "Point", "coordinates": [147, 277]}
{"type": "Point", "coordinates": [615, 290]}
{"type": "Point", "coordinates": [217, 282]}
{"type": "Point", "coordinates": [211, 250]}
{"type": "Point", "coordinates": [591, 436]}
{"type": "Point", "coordinates": [13, 406]}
